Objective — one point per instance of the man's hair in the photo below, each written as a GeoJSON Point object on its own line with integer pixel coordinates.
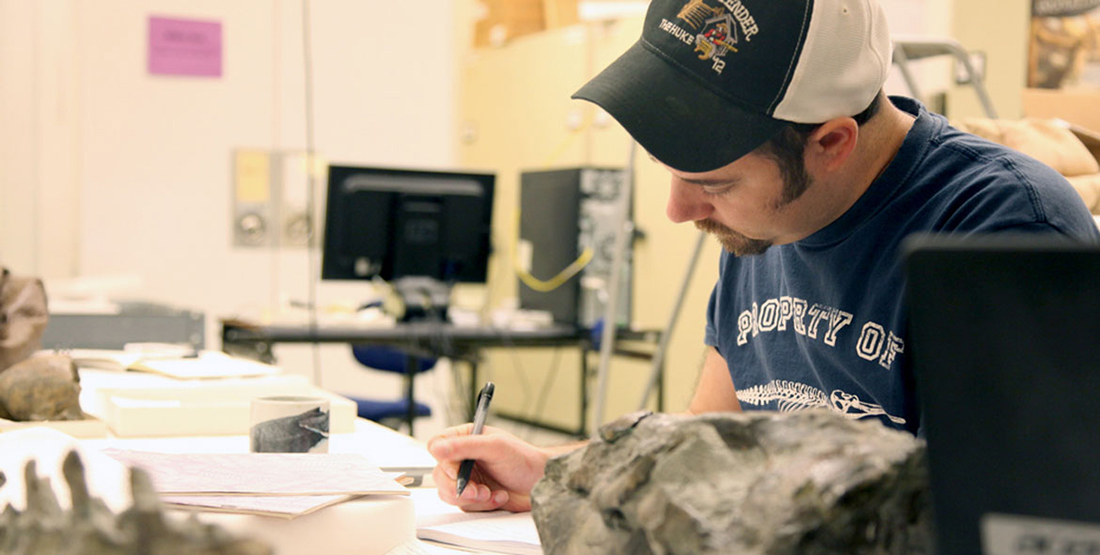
{"type": "Point", "coordinates": [788, 146]}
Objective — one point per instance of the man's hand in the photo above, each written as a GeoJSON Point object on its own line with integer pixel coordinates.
{"type": "Point", "coordinates": [505, 470]}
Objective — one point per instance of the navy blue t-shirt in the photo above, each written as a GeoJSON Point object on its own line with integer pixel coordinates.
{"type": "Point", "coordinates": [821, 322]}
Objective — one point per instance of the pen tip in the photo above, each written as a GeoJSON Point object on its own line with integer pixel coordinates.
{"type": "Point", "coordinates": [461, 485]}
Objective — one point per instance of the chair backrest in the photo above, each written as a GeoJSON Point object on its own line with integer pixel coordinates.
{"type": "Point", "coordinates": [388, 359]}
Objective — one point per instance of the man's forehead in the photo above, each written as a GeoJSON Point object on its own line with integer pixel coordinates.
{"type": "Point", "coordinates": [755, 154]}
{"type": "Point", "coordinates": [733, 171]}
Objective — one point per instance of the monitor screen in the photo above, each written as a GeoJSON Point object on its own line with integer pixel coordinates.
{"type": "Point", "coordinates": [395, 223]}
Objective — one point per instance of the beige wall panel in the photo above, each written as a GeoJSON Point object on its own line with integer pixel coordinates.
{"type": "Point", "coordinates": [38, 118]}
{"type": "Point", "coordinates": [660, 259]}
{"type": "Point", "coordinates": [515, 114]}
{"type": "Point", "coordinates": [999, 28]}
{"type": "Point", "coordinates": [18, 147]}
{"type": "Point", "coordinates": [609, 142]}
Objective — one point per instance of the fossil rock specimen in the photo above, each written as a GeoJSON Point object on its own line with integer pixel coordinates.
{"type": "Point", "coordinates": [748, 484]}
{"type": "Point", "coordinates": [23, 316]}
{"type": "Point", "coordinates": [90, 528]}
{"type": "Point", "coordinates": [41, 388]}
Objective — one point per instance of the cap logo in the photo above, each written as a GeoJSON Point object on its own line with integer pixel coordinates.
{"type": "Point", "coordinates": [713, 29]}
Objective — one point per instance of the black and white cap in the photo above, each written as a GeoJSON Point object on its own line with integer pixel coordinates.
{"type": "Point", "coordinates": [711, 80]}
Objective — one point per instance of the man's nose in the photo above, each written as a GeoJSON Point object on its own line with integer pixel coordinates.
{"type": "Point", "coordinates": [687, 203]}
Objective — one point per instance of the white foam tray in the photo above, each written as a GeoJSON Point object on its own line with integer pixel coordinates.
{"type": "Point", "coordinates": [207, 408]}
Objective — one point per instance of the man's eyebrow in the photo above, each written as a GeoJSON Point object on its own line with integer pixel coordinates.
{"type": "Point", "coordinates": [704, 182]}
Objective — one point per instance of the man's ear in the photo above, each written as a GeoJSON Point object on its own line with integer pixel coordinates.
{"type": "Point", "coordinates": [830, 145]}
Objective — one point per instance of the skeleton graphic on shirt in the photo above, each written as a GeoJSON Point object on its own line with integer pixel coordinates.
{"type": "Point", "coordinates": [793, 396]}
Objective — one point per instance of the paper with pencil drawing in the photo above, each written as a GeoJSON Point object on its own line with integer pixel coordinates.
{"type": "Point", "coordinates": [282, 507]}
{"type": "Point", "coordinates": [261, 474]}
{"type": "Point", "coordinates": [204, 365]}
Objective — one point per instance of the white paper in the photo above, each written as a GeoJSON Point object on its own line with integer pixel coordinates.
{"type": "Point", "coordinates": [283, 507]}
{"type": "Point", "coordinates": [261, 474]}
{"type": "Point", "coordinates": [512, 533]}
{"type": "Point", "coordinates": [497, 531]}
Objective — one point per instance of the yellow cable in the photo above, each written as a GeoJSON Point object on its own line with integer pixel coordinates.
{"type": "Point", "coordinates": [586, 256]}
{"type": "Point", "coordinates": [543, 286]}
{"type": "Point", "coordinates": [558, 280]}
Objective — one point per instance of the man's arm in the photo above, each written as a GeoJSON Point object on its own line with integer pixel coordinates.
{"type": "Point", "coordinates": [715, 391]}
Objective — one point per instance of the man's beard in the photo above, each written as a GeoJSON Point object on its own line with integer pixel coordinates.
{"type": "Point", "coordinates": [736, 243]}
{"type": "Point", "coordinates": [795, 182]}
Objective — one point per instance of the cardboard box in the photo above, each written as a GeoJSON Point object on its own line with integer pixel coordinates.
{"type": "Point", "coordinates": [1089, 138]}
{"type": "Point", "coordinates": [1080, 107]}
{"type": "Point", "coordinates": [505, 20]}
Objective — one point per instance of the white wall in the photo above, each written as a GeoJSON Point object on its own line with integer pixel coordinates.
{"type": "Point", "coordinates": [163, 144]}
{"type": "Point", "coordinates": [920, 18]}
{"type": "Point", "coordinates": [37, 134]}
{"type": "Point", "coordinates": [106, 170]}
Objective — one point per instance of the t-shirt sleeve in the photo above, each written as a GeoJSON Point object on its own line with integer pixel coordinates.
{"type": "Point", "coordinates": [713, 308]}
{"type": "Point", "coordinates": [711, 337]}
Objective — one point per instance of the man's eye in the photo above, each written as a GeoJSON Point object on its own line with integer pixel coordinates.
{"type": "Point", "coordinates": [716, 190]}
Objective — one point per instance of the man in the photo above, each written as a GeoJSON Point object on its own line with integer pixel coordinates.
{"type": "Point", "coordinates": [781, 144]}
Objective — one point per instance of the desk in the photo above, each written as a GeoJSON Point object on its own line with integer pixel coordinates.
{"type": "Point", "coordinates": [369, 525]}
{"type": "Point", "coordinates": [366, 526]}
{"type": "Point", "coordinates": [462, 343]}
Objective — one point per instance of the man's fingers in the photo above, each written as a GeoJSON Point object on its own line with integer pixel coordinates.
{"type": "Point", "coordinates": [476, 497]}
{"type": "Point", "coordinates": [449, 469]}
{"type": "Point", "coordinates": [445, 485]}
{"type": "Point", "coordinates": [491, 503]}
{"type": "Point", "coordinates": [453, 431]}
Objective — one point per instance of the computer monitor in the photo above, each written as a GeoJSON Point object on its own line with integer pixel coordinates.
{"type": "Point", "coordinates": [1003, 341]}
{"type": "Point", "coordinates": [402, 223]}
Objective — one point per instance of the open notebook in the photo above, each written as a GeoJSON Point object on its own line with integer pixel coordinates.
{"type": "Point", "coordinates": [497, 531]}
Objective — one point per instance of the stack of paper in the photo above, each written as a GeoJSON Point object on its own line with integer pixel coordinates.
{"type": "Point", "coordinates": [204, 365]}
{"type": "Point", "coordinates": [274, 484]}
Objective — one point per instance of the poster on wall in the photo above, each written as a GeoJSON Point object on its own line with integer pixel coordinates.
{"type": "Point", "coordinates": [1064, 50]}
{"type": "Point", "coordinates": [189, 47]}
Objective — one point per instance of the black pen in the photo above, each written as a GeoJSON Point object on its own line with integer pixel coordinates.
{"type": "Point", "coordinates": [467, 465]}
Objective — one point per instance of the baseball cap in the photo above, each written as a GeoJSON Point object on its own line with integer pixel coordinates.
{"type": "Point", "coordinates": [711, 80]}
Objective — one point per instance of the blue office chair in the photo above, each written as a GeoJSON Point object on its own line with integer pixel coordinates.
{"type": "Point", "coordinates": [389, 359]}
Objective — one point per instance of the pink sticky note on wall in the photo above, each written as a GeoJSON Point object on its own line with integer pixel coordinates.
{"type": "Point", "coordinates": [185, 47]}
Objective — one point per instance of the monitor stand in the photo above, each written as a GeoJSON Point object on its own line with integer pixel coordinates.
{"type": "Point", "coordinates": [424, 298]}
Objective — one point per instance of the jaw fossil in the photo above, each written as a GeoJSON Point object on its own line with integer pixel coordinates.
{"type": "Point", "coordinates": [90, 527]}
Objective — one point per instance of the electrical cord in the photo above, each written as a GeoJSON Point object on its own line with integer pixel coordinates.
{"type": "Point", "coordinates": [543, 286]}
{"type": "Point", "coordinates": [544, 390]}
{"type": "Point", "coordinates": [311, 237]}
{"type": "Point", "coordinates": [557, 281]}
{"type": "Point", "coordinates": [525, 383]}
